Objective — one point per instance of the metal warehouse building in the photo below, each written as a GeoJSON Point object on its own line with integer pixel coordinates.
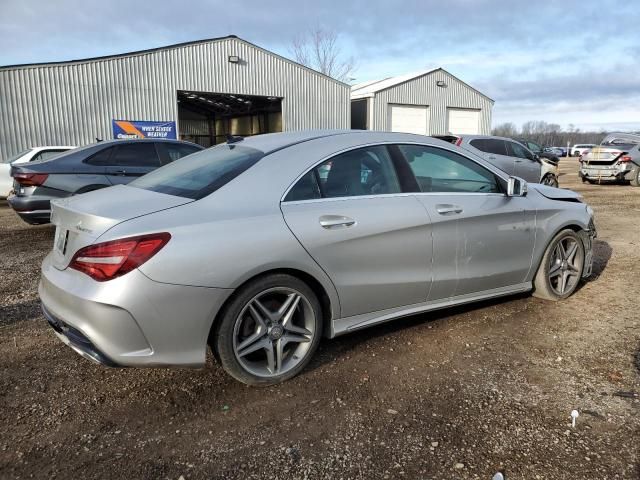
{"type": "Point", "coordinates": [433, 102]}
{"type": "Point", "coordinates": [209, 88]}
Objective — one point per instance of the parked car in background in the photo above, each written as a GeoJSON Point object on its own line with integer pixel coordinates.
{"type": "Point", "coordinates": [537, 149]}
{"type": "Point", "coordinates": [29, 155]}
{"type": "Point", "coordinates": [558, 151]}
{"type": "Point", "coordinates": [581, 148]}
{"type": "Point", "coordinates": [249, 248]}
{"type": "Point", "coordinates": [617, 158]}
{"type": "Point", "coordinates": [85, 169]}
{"type": "Point", "coordinates": [508, 155]}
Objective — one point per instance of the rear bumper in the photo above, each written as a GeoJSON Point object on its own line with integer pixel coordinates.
{"type": "Point", "coordinates": [76, 340]}
{"type": "Point", "coordinates": [606, 172]}
{"type": "Point", "coordinates": [30, 209]}
{"type": "Point", "coordinates": [131, 320]}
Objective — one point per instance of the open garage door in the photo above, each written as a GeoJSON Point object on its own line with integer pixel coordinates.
{"type": "Point", "coordinates": [206, 118]}
{"type": "Point", "coordinates": [461, 120]}
{"type": "Point", "coordinates": [409, 119]}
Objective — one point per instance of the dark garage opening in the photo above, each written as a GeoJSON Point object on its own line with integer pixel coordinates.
{"type": "Point", "coordinates": [207, 118]}
{"type": "Point", "coordinates": [359, 114]}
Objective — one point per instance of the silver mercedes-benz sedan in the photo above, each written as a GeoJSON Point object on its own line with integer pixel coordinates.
{"type": "Point", "coordinates": [260, 246]}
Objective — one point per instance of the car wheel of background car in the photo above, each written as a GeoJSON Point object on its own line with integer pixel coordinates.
{"type": "Point", "coordinates": [550, 180]}
{"type": "Point", "coordinates": [269, 331]}
{"type": "Point", "coordinates": [635, 177]}
{"type": "Point", "coordinates": [561, 267]}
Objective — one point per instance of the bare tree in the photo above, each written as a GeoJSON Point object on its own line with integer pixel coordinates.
{"type": "Point", "coordinates": [548, 134]}
{"type": "Point", "coordinates": [319, 49]}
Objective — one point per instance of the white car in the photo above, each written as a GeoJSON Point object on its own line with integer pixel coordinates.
{"type": "Point", "coordinates": [29, 155]}
{"type": "Point", "coordinates": [580, 149]}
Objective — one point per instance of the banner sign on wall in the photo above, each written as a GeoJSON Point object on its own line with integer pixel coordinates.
{"type": "Point", "coordinates": [143, 129]}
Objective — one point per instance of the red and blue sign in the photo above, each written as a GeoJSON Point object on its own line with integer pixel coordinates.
{"type": "Point", "coordinates": [143, 129]}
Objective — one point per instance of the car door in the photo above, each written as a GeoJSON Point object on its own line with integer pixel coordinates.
{"type": "Point", "coordinates": [526, 165]}
{"type": "Point", "coordinates": [131, 160]}
{"type": "Point", "coordinates": [494, 151]}
{"type": "Point", "coordinates": [482, 239]}
{"type": "Point", "coordinates": [373, 241]}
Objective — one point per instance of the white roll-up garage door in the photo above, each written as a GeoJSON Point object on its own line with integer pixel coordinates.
{"type": "Point", "coordinates": [463, 121]}
{"type": "Point", "coordinates": [410, 119]}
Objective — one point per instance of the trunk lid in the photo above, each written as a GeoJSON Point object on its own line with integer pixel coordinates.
{"type": "Point", "coordinates": [80, 220]}
{"type": "Point", "coordinates": [602, 155]}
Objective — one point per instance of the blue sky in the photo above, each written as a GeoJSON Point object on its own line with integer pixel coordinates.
{"type": "Point", "coordinates": [567, 62]}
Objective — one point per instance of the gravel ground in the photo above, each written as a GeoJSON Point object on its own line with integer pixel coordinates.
{"type": "Point", "coordinates": [454, 395]}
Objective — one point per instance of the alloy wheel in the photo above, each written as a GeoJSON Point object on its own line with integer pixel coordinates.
{"type": "Point", "coordinates": [274, 332]}
{"type": "Point", "coordinates": [565, 266]}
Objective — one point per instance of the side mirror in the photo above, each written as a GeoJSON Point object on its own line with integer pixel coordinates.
{"type": "Point", "coordinates": [516, 187]}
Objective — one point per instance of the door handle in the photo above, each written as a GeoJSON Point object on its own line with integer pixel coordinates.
{"type": "Point", "coordinates": [491, 157]}
{"type": "Point", "coordinates": [518, 161]}
{"type": "Point", "coordinates": [447, 209]}
{"type": "Point", "coordinates": [335, 221]}
{"type": "Point", "coordinates": [119, 172]}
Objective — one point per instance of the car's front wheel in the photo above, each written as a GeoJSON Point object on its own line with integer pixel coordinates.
{"type": "Point", "coordinates": [561, 268]}
{"type": "Point", "coordinates": [550, 180]}
{"type": "Point", "coordinates": [269, 331]}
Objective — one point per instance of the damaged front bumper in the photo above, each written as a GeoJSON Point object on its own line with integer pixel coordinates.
{"type": "Point", "coordinates": [587, 237]}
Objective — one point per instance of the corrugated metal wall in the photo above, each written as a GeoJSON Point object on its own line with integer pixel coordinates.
{"type": "Point", "coordinates": [424, 91]}
{"type": "Point", "coordinates": [74, 103]}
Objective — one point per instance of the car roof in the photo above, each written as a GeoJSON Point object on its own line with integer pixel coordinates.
{"type": "Point", "coordinates": [271, 142]}
{"type": "Point", "coordinates": [45, 147]}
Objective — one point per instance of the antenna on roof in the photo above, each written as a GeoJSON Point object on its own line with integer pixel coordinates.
{"type": "Point", "coordinates": [234, 138]}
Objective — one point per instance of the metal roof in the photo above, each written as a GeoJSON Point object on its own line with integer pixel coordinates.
{"type": "Point", "coordinates": [369, 89]}
{"type": "Point", "coordinates": [166, 47]}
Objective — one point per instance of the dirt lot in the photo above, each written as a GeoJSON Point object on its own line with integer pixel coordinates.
{"type": "Point", "coordinates": [460, 394]}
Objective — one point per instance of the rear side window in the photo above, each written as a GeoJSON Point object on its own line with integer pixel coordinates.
{"type": "Point", "coordinates": [175, 151]}
{"type": "Point", "coordinates": [202, 173]}
{"type": "Point", "coordinates": [135, 155]}
{"type": "Point", "coordinates": [490, 145]}
{"type": "Point", "coordinates": [101, 158]}
{"type": "Point", "coordinates": [363, 171]}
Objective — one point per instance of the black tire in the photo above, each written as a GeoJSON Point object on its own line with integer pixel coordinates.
{"type": "Point", "coordinates": [550, 180]}
{"type": "Point", "coordinates": [223, 343]}
{"type": "Point", "coordinates": [635, 177]}
{"type": "Point", "coordinates": [542, 284]}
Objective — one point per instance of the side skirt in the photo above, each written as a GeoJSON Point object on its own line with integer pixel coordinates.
{"type": "Point", "coordinates": [345, 325]}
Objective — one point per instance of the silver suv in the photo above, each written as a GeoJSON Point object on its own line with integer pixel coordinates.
{"type": "Point", "coordinates": [508, 155]}
{"type": "Point", "coordinates": [617, 158]}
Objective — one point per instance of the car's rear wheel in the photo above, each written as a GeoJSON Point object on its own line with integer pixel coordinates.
{"type": "Point", "coordinates": [561, 268]}
{"type": "Point", "coordinates": [269, 331]}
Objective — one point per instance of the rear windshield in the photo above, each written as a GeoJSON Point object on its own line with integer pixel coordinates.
{"type": "Point", "coordinates": [201, 173]}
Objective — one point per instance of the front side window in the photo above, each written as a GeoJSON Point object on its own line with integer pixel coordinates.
{"type": "Point", "coordinates": [364, 171]}
{"type": "Point", "coordinates": [438, 170]}
{"type": "Point", "coordinates": [202, 173]}
{"type": "Point", "coordinates": [519, 151]}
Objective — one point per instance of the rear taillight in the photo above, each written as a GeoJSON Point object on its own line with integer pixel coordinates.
{"type": "Point", "coordinates": [625, 158]}
{"type": "Point", "coordinates": [459, 142]}
{"type": "Point", "coordinates": [30, 179]}
{"type": "Point", "coordinates": [104, 261]}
